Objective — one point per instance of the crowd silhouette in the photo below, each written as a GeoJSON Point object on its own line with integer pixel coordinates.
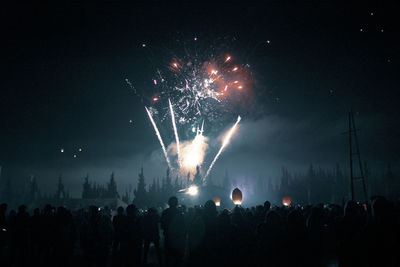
{"type": "Point", "coordinates": [319, 235]}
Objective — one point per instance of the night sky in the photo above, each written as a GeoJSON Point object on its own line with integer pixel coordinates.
{"type": "Point", "coordinates": [63, 85]}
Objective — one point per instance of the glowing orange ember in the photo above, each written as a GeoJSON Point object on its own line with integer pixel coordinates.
{"type": "Point", "coordinates": [217, 201]}
{"type": "Point", "coordinates": [286, 201]}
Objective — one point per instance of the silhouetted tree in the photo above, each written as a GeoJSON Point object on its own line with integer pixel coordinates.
{"type": "Point", "coordinates": [140, 192]}
{"type": "Point", "coordinates": [112, 191]}
{"type": "Point", "coordinates": [86, 188]}
{"type": "Point", "coordinates": [60, 193]}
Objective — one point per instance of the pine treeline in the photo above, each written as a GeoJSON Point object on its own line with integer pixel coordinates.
{"type": "Point", "coordinates": [93, 191]}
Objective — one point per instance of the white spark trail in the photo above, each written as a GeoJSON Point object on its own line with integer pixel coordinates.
{"type": "Point", "coordinates": [175, 130]}
{"type": "Point", "coordinates": [159, 138]}
{"type": "Point", "coordinates": [224, 144]}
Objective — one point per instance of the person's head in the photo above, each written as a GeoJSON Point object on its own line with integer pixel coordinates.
{"type": "Point", "coordinates": [267, 205]}
{"type": "Point", "coordinates": [131, 210]}
{"type": "Point", "coordinates": [22, 209]}
{"type": "Point", "coordinates": [36, 212]}
{"type": "Point", "coordinates": [93, 211]}
{"type": "Point", "coordinates": [152, 211]}
{"type": "Point", "coordinates": [351, 209]}
{"type": "Point", "coordinates": [210, 208]}
{"type": "Point", "coordinates": [120, 210]}
{"type": "Point", "coordinates": [173, 202]}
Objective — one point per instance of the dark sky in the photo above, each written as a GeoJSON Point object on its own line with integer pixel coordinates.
{"type": "Point", "coordinates": [63, 84]}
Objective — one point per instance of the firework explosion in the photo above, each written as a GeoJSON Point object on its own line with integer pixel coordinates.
{"type": "Point", "coordinates": [200, 90]}
{"type": "Point", "coordinates": [196, 92]}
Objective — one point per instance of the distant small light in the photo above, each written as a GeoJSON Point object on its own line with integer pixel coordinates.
{"type": "Point", "coordinates": [361, 30]}
{"type": "Point", "coordinates": [62, 150]}
{"type": "Point", "coordinates": [226, 87]}
{"type": "Point", "coordinates": [235, 69]}
{"type": "Point", "coordinates": [143, 45]}
{"type": "Point", "coordinates": [80, 149]}
{"type": "Point", "coordinates": [175, 65]}
{"type": "Point", "coordinates": [155, 99]}
{"type": "Point", "coordinates": [268, 41]}
{"type": "Point", "coordinates": [130, 121]}
{"type": "Point", "coordinates": [240, 87]}
{"type": "Point", "coordinates": [74, 155]}
{"type": "Point", "coordinates": [372, 13]}
{"type": "Point", "coordinates": [382, 30]}
{"type": "Point", "coordinates": [195, 38]}
{"type": "Point", "coordinates": [227, 58]}
{"type": "Point", "coordinates": [155, 82]}
{"type": "Point", "coordinates": [193, 129]}
{"type": "Point", "coordinates": [235, 81]}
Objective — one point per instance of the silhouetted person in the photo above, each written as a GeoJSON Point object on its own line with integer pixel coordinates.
{"type": "Point", "coordinates": [383, 234]}
{"type": "Point", "coordinates": [270, 238]}
{"type": "Point", "coordinates": [151, 233]}
{"type": "Point", "coordinates": [350, 236]}
{"type": "Point", "coordinates": [173, 225]}
{"type": "Point", "coordinates": [65, 235]}
{"type": "Point", "coordinates": [134, 240]}
{"type": "Point", "coordinates": [96, 237]}
{"type": "Point", "coordinates": [120, 232]}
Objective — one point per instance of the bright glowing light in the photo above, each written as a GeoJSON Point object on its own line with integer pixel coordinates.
{"type": "Point", "coordinates": [235, 69]}
{"type": "Point", "coordinates": [80, 149]}
{"type": "Point", "coordinates": [155, 99]}
{"type": "Point", "coordinates": [74, 156]}
{"type": "Point", "coordinates": [192, 154]}
{"type": "Point", "coordinates": [174, 126]}
{"type": "Point", "coordinates": [240, 87]}
{"type": "Point", "coordinates": [193, 190]}
{"type": "Point", "coordinates": [286, 201]}
{"type": "Point", "coordinates": [155, 82]}
{"type": "Point", "coordinates": [226, 87]}
{"type": "Point", "coordinates": [224, 143]}
{"type": "Point", "coordinates": [175, 64]}
{"type": "Point", "coordinates": [235, 81]}
{"type": "Point", "coordinates": [227, 58]}
{"type": "Point", "coordinates": [159, 137]}
{"type": "Point", "coordinates": [62, 150]}
{"type": "Point", "coordinates": [130, 121]}
{"type": "Point", "coordinates": [143, 45]}
{"type": "Point", "coordinates": [214, 72]}
{"type": "Point", "coordinates": [217, 201]}
{"type": "Point", "coordinates": [237, 196]}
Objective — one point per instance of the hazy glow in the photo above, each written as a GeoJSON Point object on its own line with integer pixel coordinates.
{"type": "Point", "coordinates": [192, 154]}
{"type": "Point", "coordinates": [193, 190]}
